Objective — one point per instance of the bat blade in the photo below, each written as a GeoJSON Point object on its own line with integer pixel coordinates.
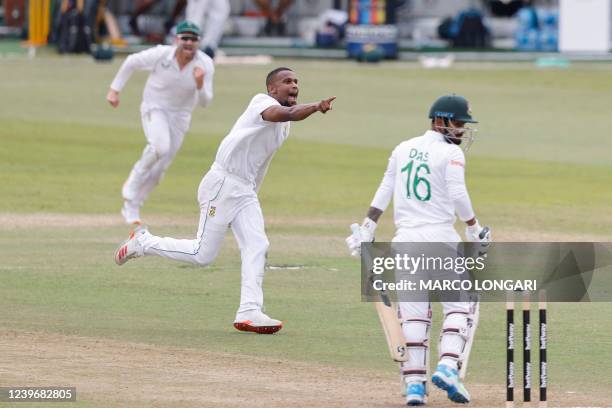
{"type": "Point", "coordinates": [387, 313]}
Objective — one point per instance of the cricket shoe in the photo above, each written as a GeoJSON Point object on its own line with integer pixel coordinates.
{"type": "Point", "coordinates": [447, 379]}
{"type": "Point", "coordinates": [415, 394]}
{"type": "Point", "coordinates": [130, 213]}
{"type": "Point", "coordinates": [130, 248]}
{"type": "Point", "coordinates": [257, 322]}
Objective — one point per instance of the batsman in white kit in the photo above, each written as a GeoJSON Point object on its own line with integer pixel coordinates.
{"type": "Point", "coordinates": [425, 177]}
{"type": "Point", "coordinates": [228, 196]}
{"type": "Point", "coordinates": [181, 77]}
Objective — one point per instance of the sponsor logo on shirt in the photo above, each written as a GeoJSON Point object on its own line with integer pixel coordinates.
{"type": "Point", "coordinates": [457, 163]}
{"type": "Point", "coordinates": [212, 211]}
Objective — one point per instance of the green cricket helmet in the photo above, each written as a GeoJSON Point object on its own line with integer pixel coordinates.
{"type": "Point", "coordinates": [453, 107]}
{"type": "Point", "coordinates": [187, 27]}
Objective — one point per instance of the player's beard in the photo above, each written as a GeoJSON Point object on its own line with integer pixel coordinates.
{"type": "Point", "coordinates": [465, 138]}
{"type": "Point", "coordinates": [453, 135]}
{"type": "Point", "coordinates": [289, 101]}
{"type": "Point", "coordinates": [450, 138]}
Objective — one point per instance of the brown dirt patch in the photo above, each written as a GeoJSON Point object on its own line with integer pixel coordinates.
{"type": "Point", "coordinates": [116, 373]}
{"type": "Point", "coordinates": [126, 373]}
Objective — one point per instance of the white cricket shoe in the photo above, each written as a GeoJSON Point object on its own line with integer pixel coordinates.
{"type": "Point", "coordinates": [130, 248]}
{"type": "Point", "coordinates": [130, 212]}
{"type": "Point", "coordinates": [257, 322]}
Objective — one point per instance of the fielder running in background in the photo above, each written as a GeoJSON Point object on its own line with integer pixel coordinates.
{"type": "Point", "coordinates": [181, 77]}
{"type": "Point", "coordinates": [228, 195]}
{"type": "Point", "coordinates": [425, 212]}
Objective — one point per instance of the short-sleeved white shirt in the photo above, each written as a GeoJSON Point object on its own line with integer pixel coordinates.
{"type": "Point", "coordinates": [249, 146]}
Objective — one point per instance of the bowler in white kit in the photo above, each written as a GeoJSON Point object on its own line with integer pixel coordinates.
{"type": "Point", "coordinates": [181, 77]}
{"type": "Point", "coordinates": [426, 179]}
{"type": "Point", "coordinates": [228, 196]}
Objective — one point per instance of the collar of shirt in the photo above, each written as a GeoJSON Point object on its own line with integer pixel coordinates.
{"type": "Point", "coordinates": [172, 58]}
{"type": "Point", "coordinates": [435, 135]}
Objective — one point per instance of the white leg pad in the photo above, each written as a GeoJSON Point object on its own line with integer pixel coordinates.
{"type": "Point", "coordinates": [453, 337]}
{"type": "Point", "coordinates": [416, 332]}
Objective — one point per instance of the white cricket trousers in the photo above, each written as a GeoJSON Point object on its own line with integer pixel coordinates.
{"type": "Point", "coordinates": [210, 16]}
{"type": "Point", "coordinates": [164, 132]}
{"type": "Point", "coordinates": [416, 316]}
{"type": "Point", "coordinates": [224, 199]}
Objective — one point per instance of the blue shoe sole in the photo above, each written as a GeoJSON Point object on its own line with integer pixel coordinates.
{"type": "Point", "coordinates": [451, 391]}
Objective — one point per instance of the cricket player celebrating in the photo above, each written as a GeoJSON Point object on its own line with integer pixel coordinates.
{"type": "Point", "coordinates": [425, 176]}
{"type": "Point", "coordinates": [181, 76]}
{"type": "Point", "coordinates": [228, 195]}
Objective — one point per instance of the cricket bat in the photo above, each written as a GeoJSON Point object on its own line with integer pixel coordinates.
{"type": "Point", "coordinates": [389, 319]}
{"type": "Point", "coordinates": [387, 313]}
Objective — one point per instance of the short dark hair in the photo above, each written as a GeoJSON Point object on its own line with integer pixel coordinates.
{"type": "Point", "coordinates": [273, 73]}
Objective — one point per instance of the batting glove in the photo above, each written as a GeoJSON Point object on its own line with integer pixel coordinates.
{"type": "Point", "coordinates": [476, 233]}
{"type": "Point", "coordinates": [363, 233]}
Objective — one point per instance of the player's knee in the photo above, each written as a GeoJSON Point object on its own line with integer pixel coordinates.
{"type": "Point", "coordinates": [258, 248]}
{"type": "Point", "coordinates": [205, 258]}
{"type": "Point", "coordinates": [455, 320]}
{"type": "Point", "coordinates": [202, 260]}
{"type": "Point", "coordinates": [163, 152]}
{"type": "Point", "coordinates": [160, 147]}
{"type": "Point", "coordinates": [263, 246]}
{"type": "Point", "coordinates": [415, 329]}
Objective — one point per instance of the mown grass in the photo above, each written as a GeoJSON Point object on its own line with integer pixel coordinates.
{"type": "Point", "coordinates": [541, 164]}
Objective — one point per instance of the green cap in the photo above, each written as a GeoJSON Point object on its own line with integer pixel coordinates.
{"type": "Point", "coordinates": [187, 27]}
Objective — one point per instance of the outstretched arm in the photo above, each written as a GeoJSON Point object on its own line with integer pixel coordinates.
{"type": "Point", "coordinates": [144, 60]}
{"type": "Point", "coordinates": [297, 112]}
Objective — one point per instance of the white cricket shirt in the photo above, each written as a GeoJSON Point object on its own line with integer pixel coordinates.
{"type": "Point", "coordinates": [168, 87]}
{"type": "Point", "coordinates": [248, 148]}
{"type": "Point", "coordinates": [426, 178]}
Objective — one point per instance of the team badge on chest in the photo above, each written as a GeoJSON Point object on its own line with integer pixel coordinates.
{"type": "Point", "coordinates": [212, 211]}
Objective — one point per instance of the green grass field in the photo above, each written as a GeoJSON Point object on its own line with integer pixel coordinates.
{"type": "Point", "coordinates": [539, 170]}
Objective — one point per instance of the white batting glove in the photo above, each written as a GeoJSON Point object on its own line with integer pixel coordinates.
{"type": "Point", "coordinates": [353, 242]}
{"type": "Point", "coordinates": [363, 233]}
{"type": "Point", "coordinates": [476, 233]}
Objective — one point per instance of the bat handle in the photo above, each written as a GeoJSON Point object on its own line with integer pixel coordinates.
{"type": "Point", "coordinates": [484, 232]}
